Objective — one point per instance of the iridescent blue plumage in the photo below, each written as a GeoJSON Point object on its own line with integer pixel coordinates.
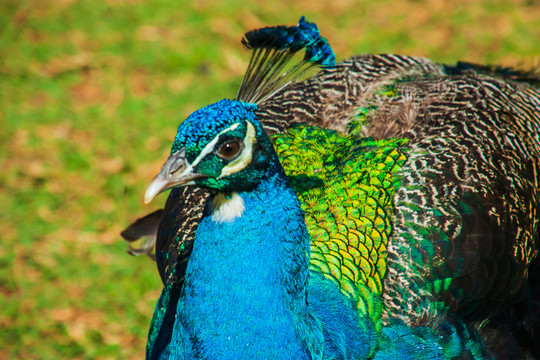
{"type": "Point", "coordinates": [207, 120]}
{"type": "Point", "coordinates": [321, 53]}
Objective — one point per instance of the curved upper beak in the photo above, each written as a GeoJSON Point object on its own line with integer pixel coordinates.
{"type": "Point", "coordinates": [173, 173]}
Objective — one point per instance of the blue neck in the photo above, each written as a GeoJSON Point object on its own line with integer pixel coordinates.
{"type": "Point", "coordinates": [245, 287]}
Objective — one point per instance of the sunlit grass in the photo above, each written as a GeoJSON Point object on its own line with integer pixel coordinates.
{"type": "Point", "coordinates": [91, 93]}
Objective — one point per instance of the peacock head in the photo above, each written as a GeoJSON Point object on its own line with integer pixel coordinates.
{"type": "Point", "coordinates": [221, 147]}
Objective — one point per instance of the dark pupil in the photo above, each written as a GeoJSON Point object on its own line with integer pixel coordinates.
{"type": "Point", "coordinates": [229, 150]}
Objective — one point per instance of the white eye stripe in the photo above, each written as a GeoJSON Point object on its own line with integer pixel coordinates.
{"type": "Point", "coordinates": [207, 150]}
{"type": "Point", "coordinates": [210, 146]}
{"type": "Point", "coordinates": [245, 156]}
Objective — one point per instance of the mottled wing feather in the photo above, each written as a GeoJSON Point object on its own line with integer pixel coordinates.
{"type": "Point", "coordinates": [330, 99]}
{"type": "Point", "coordinates": [468, 206]}
{"type": "Point", "coordinates": [176, 233]}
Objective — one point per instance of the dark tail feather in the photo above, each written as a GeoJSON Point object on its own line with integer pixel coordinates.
{"type": "Point", "coordinates": [531, 76]}
{"type": "Point", "coordinates": [143, 229]}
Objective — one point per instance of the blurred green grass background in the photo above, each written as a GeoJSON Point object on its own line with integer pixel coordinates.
{"type": "Point", "coordinates": [91, 93]}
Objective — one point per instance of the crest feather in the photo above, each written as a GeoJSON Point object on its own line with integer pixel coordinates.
{"type": "Point", "coordinates": [273, 49]}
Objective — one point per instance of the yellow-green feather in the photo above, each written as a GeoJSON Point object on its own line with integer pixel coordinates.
{"type": "Point", "coordinates": [345, 185]}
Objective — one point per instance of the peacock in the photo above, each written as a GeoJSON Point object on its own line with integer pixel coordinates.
{"type": "Point", "coordinates": [386, 207]}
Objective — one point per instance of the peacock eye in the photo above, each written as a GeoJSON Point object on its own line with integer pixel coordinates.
{"type": "Point", "coordinates": [230, 150]}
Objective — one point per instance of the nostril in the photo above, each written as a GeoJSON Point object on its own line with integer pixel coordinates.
{"type": "Point", "coordinates": [176, 163]}
{"type": "Point", "coordinates": [176, 167]}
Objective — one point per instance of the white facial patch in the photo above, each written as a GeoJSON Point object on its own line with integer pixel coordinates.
{"type": "Point", "coordinates": [210, 146]}
{"type": "Point", "coordinates": [207, 149]}
{"type": "Point", "coordinates": [226, 208]}
{"type": "Point", "coordinates": [245, 157]}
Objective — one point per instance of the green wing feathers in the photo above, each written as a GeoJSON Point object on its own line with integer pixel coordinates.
{"type": "Point", "coordinates": [346, 185]}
